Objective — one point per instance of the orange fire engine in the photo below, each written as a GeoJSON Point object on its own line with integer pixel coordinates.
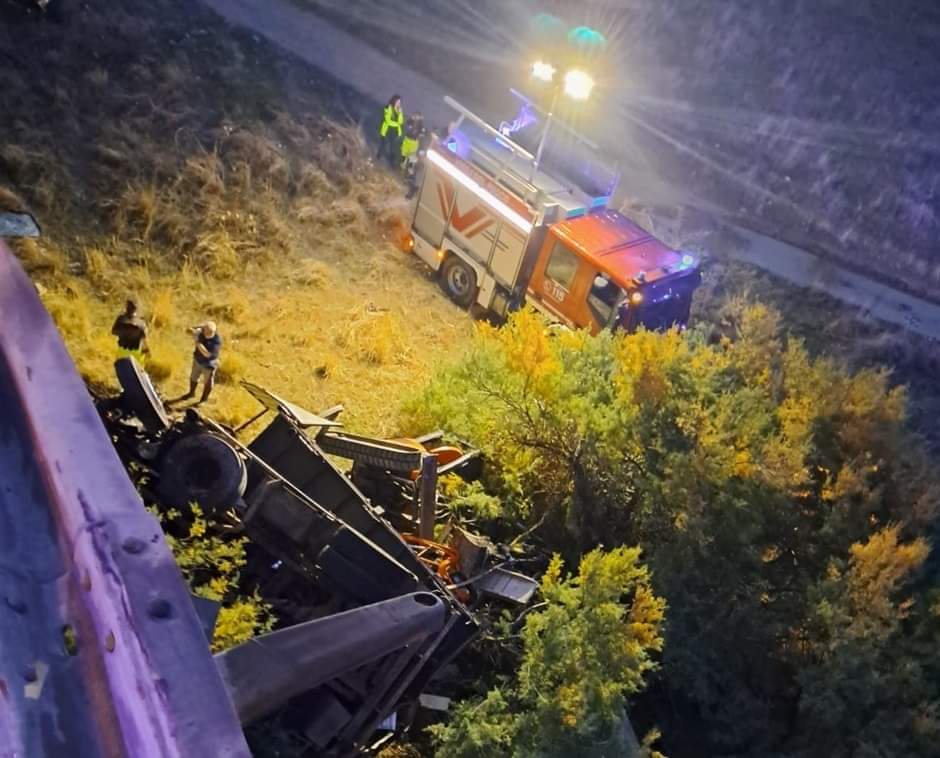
{"type": "Point", "coordinates": [503, 232]}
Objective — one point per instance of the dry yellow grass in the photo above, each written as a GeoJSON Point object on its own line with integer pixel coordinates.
{"type": "Point", "coordinates": [373, 336]}
{"type": "Point", "coordinates": [197, 206]}
{"type": "Point", "coordinates": [231, 367]}
{"type": "Point", "coordinates": [312, 273]}
{"type": "Point", "coordinates": [231, 305]}
{"type": "Point", "coordinates": [99, 270]}
{"type": "Point", "coordinates": [162, 308]}
{"type": "Point", "coordinates": [39, 258]}
{"type": "Point", "coordinates": [349, 341]}
{"type": "Point", "coordinates": [163, 362]}
{"type": "Point", "coordinates": [9, 200]}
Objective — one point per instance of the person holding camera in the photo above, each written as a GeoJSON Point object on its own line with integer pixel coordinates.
{"type": "Point", "coordinates": [208, 346]}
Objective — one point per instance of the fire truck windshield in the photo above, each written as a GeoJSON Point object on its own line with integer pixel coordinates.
{"type": "Point", "coordinates": [603, 299]}
{"type": "Point", "coordinates": [663, 305]}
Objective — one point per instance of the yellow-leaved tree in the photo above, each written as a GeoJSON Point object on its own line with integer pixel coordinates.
{"type": "Point", "coordinates": [211, 566]}
{"type": "Point", "coordinates": [743, 466]}
{"type": "Point", "coordinates": [583, 654]}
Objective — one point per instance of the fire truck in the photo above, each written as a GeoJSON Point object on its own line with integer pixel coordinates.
{"type": "Point", "coordinates": [504, 230]}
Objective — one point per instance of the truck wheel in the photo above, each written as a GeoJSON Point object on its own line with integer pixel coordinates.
{"type": "Point", "coordinates": [202, 469]}
{"type": "Point", "coordinates": [139, 397]}
{"type": "Point", "coordinates": [459, 281]}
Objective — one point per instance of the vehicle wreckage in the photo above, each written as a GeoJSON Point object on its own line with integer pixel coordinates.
{"type": "Point", "coordinates": [104, 648]}
{"type": "Point", "coordinates": [376, 604]}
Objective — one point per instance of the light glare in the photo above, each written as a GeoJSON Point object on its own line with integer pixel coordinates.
{"type": "Point", "coordinates": [544, 71]}
{"type": "Point", "coordinates": [578, 85]}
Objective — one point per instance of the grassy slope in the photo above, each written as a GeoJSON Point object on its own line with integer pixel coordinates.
{"type": "Point", "coordinates": [207, 175]}
{"type": "Point", "coordinates": [202, 172]}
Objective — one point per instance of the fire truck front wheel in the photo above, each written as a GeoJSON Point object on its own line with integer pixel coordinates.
{"type": "Point", "coordinates": [459, 281]}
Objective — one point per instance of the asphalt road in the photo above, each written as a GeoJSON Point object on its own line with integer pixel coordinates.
{"type": "Point", "coordinates": [376, 76]}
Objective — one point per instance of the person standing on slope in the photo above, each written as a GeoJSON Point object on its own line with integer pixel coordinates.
{"type": "Point", "coordinates": [390, 133]}
{"type": "Point", "coordinates": [208, 345]}
{"type": "Point", "coordinates": [412, 147]}
{"type": "Point", "coordinates": [131, 332]}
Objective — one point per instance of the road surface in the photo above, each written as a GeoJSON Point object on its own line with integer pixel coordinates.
{"type": "Point", "coordinates": [376, 76]}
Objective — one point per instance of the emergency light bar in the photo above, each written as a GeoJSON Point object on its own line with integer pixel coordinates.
{"type": "Point", "coordinates": [517, 219]}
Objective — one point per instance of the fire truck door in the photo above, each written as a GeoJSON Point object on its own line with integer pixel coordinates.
{"type": "Point", "coordinates": [558, 283]}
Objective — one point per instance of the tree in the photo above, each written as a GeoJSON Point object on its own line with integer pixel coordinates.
{"type": "Point", "coordinates": [583, 655]}
{"type": "Point", "coordinates": [743, 468]}
{"type": "Point", "coordinates": [211, 567]}
{"type": "Point", "coordinates": [869, 683]}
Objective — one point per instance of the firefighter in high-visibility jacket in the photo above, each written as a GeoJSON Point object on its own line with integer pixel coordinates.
{"type": "Point", "coordinates": [390, 133]}
{"type": "Point", "coordinates": [411, 147]}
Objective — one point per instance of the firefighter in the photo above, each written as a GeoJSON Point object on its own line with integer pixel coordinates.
{"type": "Point", "coordinates": [412, 146]}
{"type": "Point", "coordinates": [131, 332]}
{"type": "Point", "coordinates": [390, 133]}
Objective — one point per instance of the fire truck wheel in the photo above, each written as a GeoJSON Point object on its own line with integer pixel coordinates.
{"type": "Point", "coordinates": [459, 281]}
{"type": "Point", "coordinates": [202, 469]}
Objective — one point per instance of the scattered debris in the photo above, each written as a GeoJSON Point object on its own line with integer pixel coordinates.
{"type": "Point", "coordinates": [372, 599]}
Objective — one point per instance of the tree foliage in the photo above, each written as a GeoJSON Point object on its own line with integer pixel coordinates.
{"type": "Point", "coordinates": [863, 692]}
{"type": "Point", "coordinates": [211, 567]}
{"type": "Point", "coordinates": [583, 654]}
{"type": "Point", "coordinates": [746, 469]}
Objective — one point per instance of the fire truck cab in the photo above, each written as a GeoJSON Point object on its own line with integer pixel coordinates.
{"type": "Point", "coordinates": [503, 232]}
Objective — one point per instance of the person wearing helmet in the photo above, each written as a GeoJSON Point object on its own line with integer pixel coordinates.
{"type": "Point", "coordinates": [412, 146]}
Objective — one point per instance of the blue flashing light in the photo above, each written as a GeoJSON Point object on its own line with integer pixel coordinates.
{"type": "Point", "coordinates": [586, 38]}
{"type": "Point", "coordinates": [451, 145]}
{"type": "Point", "coordinates": [687, 261]}
{"type": "Point", "coordinates": [525, 119]}
{"type": "Point", "coordinates": [576, 213]}
{"type": "Point", "coordinates": [600, 202]}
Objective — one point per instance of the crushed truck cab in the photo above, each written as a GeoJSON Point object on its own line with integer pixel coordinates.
{"type": "Point", "coordinates": [503, 232]}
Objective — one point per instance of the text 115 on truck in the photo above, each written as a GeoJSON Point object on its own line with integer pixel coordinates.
{"type": "Point", "coordinates": [502, 232]}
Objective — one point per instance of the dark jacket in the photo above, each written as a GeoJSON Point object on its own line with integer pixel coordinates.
{"type": "Point", "coordinates": [131, 331]}
{"type": "Point", "coordinates": [214, 345]}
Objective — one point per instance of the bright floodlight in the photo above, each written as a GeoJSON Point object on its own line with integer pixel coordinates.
{"type": "Point", "coordinates": [544, 71]}
{"type": "Point", "coordinates": [578, 85]}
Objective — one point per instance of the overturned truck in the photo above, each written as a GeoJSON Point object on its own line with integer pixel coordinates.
{"type": "Point", "coordinates": [372, 607]}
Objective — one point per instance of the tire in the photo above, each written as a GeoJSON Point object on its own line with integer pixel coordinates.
{"type": "Point", "coordinates": [459, 281]}
{"type": "Point", "coordinates": [202, 469]}
{"type": "Point", "coordinates": [139, 397]}
{"type": "Point", "coordinates": [370, 452]}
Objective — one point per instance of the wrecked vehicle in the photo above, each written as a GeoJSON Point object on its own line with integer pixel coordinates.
{"type": "Point", "coordinates": [369, 612]}
{"type": "Point", "coordinates": [321, 551]}
{"type": "Point", "coordinates": [101, 652]}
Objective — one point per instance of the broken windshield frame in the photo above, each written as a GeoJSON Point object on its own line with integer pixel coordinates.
{"type": "Point", "coordinates": [604, 300]}
{"type": "Point", "coordinates": [663, 306]}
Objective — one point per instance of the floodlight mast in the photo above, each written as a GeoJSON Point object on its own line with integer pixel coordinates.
{"type": "Point", "coordinates": [544, 138]}
{"type": "Point", "coordinates": [577, 85]}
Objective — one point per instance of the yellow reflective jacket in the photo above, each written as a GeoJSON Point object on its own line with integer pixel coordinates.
{"type": "Point", "coordinates": [393, 120]}
{"type": "Point", "coordinates": [409, 147]}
